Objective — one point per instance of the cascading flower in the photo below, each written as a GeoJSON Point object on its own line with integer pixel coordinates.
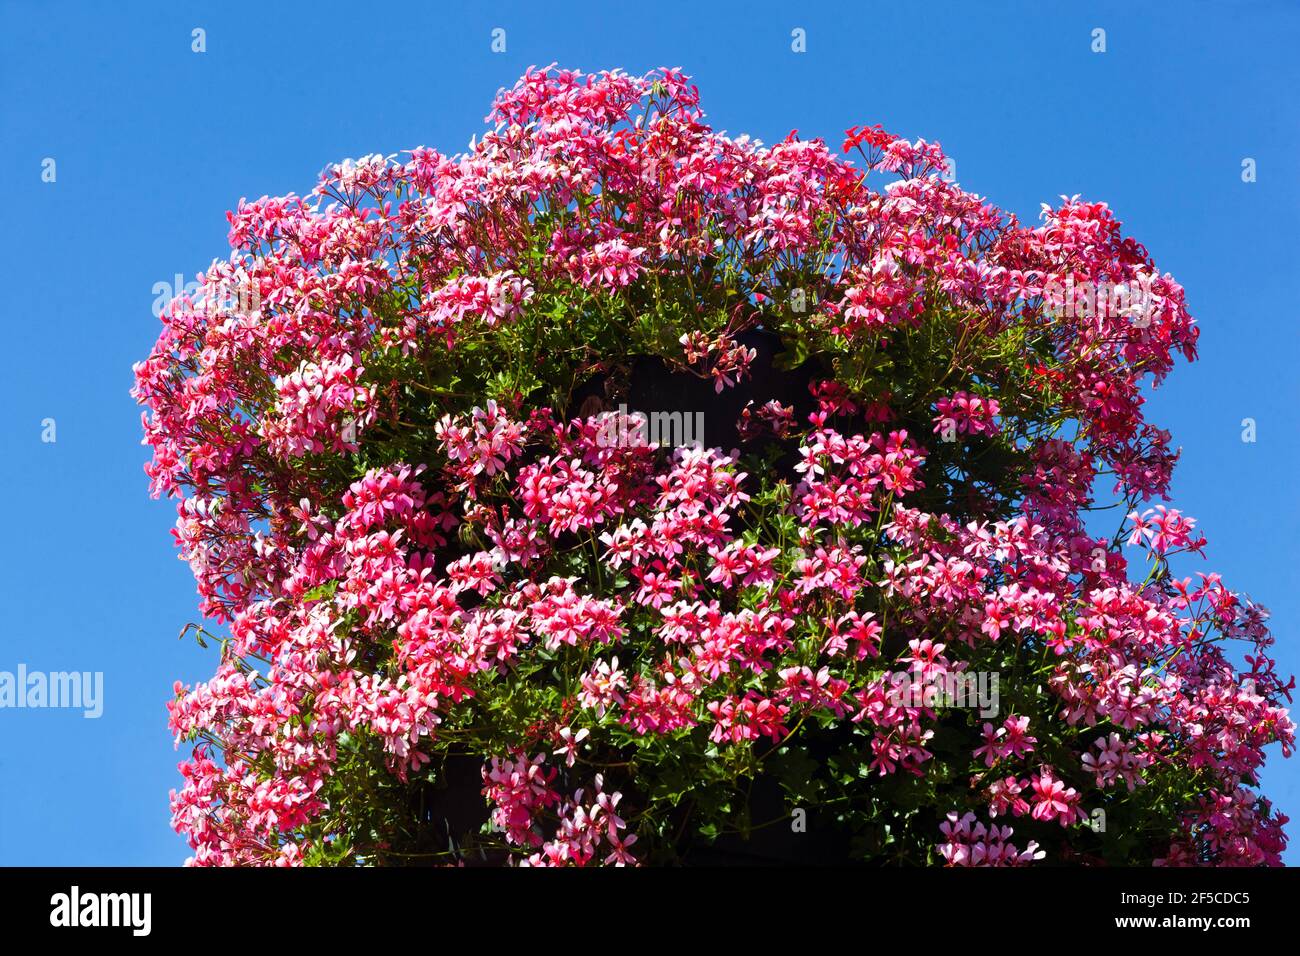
{"type": "Point", "coordinates": [467, 625]}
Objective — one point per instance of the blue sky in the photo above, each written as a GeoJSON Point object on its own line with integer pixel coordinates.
{"type": "Point", "coordinates": [153, 143]}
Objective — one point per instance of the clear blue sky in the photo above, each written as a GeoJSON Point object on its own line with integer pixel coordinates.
{"type": "Point", "coordinates": [153, 144]}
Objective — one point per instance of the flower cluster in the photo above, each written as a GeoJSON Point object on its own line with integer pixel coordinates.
{"type": "Point", "coordinates": [968, 842]}
{"type": "Point", "coordinates": [965, 414]}
{"type": "Point", "coordinates": [396, 495]}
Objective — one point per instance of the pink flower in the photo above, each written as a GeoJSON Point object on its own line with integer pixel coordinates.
{"type": "Point", "coordinates": [569, 742]}
{"type": "Point", "coordinates": [1053, 800]}
{"type": "Point", "coordinates": [1167, 531]}
{"type": "Point", "coordinates": [966, 414]}
{"type": "Point", "coordinates": [603, 686]}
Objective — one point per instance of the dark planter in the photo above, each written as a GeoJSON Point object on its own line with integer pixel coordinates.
{"type": "Point", "coordinates": [649, 385]}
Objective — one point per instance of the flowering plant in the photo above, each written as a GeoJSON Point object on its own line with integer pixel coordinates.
{"type": "Point", "coordinates": [440, 576]}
